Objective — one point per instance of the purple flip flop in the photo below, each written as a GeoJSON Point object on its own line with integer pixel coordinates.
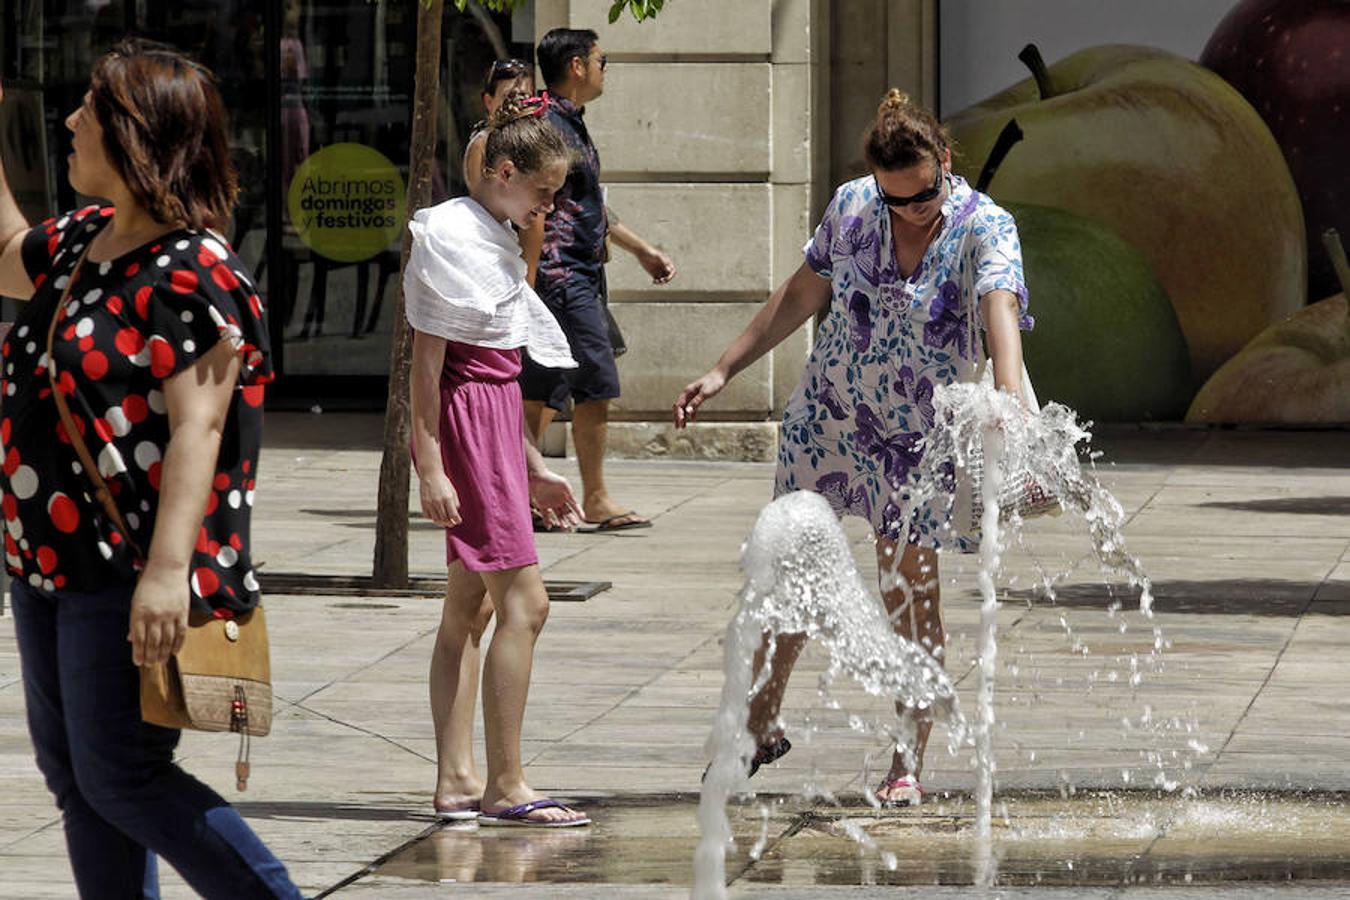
{"type": "Point", "coordinates": [519, 816]}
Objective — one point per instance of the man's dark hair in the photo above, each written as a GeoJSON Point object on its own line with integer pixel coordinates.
{"type": "Point", "coordinates": [558, 48]}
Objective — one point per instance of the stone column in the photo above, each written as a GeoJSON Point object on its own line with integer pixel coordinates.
{"type": "Point", "coordinates": [876, 45]}
{"type": "Point", "coordinates": [711, 139]}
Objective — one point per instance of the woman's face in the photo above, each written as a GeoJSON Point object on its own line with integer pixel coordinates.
{"type": "Point", "coordinates": [90, 171]}
{"type": "Point", "coordinates": [502, 88]}
{"type": "Point", "coordinates": [529, 195]}
{"type": "Point", "coordinates": [915, 193]}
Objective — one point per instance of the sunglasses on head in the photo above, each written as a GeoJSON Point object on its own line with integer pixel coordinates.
{"type": "Point", "coordinates": [922, 196]}
{"type": "Point", "coordinates": [503, 70]}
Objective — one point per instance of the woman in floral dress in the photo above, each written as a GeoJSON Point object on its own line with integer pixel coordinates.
{"type": "Point", "coordinates": [899, 261]}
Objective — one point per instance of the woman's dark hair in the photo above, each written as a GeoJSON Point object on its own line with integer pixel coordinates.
{"type": "Point", "coordinates": [558, 48]}
{"type": "Point", "coordinates": [904, 134]}
{"type": "Point", "coordinates": [519, 132]}
{"type": "Point", "coordinates": [503, 70]}
{"type": "Point", "coordinates": [164, 132]}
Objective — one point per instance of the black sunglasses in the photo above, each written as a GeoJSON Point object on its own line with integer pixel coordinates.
{"type": "Point", "coordinates": [922, 196]}
{"type": "Point", "coordinates": [502, 70]}
{"type": "Point", "coordinates": [603, 59]}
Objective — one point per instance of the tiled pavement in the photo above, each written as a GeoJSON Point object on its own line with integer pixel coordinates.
{"type": "Point", "coordinates": [1247, 538]}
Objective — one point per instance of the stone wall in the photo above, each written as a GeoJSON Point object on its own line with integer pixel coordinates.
{"type": "Point", "coordinates": [876, 45]}
{"type": "Point", "coordinates": [712, 134]}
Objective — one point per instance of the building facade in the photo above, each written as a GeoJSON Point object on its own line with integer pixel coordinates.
{"type": "Point", "coordinates": [723, 128]}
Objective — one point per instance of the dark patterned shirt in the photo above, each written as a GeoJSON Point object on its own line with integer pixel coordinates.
{"type": "Point", "coordinates": [129, 324]}
{"type": "Point", "coordinates": [574, 233]}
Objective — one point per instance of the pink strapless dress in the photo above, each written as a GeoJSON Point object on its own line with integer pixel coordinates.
{"type": "Point", "coordinates": [484, 456]}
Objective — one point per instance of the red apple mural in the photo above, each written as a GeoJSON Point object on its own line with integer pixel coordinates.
{"type": "Point", "coordinates": [1291, 60]}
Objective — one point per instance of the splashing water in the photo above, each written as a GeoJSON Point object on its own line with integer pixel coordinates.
{"type": "Point", "coordinates": [982, 429]}
{"type": "Point", "coordinates": [801, 579]}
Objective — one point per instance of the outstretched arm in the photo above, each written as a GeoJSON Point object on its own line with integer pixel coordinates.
{"type": "Point", "coordinates": [14, 280]}
{"type": "Point", "coordinates": [1000, 310]}
{"type": "Point", "coordinates": [799, 298]}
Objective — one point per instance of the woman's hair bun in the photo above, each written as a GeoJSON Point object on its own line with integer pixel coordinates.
{"type": "Point", "coordinates": [903, 134]}
{"type": "Point", "coordinates": [894, 99]}
{"type": "Point", "coordinates": [519, 130]}
{"type": "Point", "coordinates": [512, 107]}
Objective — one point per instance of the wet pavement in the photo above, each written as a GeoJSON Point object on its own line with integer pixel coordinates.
{"type": "Point", "coordinates": [1095, 839]}
{"type": "Point", "coordinates": [1246, 534]}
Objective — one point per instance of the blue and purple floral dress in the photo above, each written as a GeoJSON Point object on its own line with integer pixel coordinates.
{"type": "Point", "coordinates": [852, 429]}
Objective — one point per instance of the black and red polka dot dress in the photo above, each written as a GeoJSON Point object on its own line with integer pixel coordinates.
{"type": "Point", "coordinates": [129, 324]}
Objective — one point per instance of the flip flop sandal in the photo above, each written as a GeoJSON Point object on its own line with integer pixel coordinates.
{"type": "Point", "coordinates": [766, 754]}
{"type": "Point", "coordinates": [608, 524]}
{"type": "Point", "coordinates": [519, 816]}
{"type": "Point", "coordinates": [904, 792]}
{"type": "Point", "coordinates": [459, 813]}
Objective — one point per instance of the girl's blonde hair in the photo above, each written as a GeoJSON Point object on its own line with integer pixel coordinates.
{"type": "Point", "coordinates": [519, 132]}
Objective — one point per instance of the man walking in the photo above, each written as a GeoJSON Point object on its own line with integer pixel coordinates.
{"type": "Point", "coordinates": [571, 277]}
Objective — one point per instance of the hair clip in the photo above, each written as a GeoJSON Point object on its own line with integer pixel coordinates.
{"type": "Point", "coordinates": [536, 105]}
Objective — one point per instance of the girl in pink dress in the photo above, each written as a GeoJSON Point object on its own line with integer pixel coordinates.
{"type": "Point", "coordinates": [472, 311]}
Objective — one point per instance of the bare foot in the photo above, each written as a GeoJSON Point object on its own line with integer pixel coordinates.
{"type": "Point", "coordinates": [454, 795]}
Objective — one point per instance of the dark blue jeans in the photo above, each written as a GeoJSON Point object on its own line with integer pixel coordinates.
{"type": "Point", "coordinates": [123, 799]}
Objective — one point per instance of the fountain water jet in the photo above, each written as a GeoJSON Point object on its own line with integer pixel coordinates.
{"type": "Point", "coordinates": [800, 578]}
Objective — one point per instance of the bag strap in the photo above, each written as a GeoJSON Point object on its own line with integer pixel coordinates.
{"type": "Point", "coordinates": [101, 491]}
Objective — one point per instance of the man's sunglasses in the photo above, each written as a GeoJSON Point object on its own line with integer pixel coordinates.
{"type": "Point", "coordinates": [921, 197]}
{"type": "Point", "coordinates": [603, 59]}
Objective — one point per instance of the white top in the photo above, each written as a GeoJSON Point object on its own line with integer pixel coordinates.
{"type": "Point", "coordinates": [466, 282]}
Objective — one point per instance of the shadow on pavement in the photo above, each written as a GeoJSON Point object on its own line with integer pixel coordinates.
{"type": "Point", "coordinates": [1232, 596]}
{"type": "Point", "coordinates": [322, 809]}
{"type": "Point", "coordinates": [1307, 506]}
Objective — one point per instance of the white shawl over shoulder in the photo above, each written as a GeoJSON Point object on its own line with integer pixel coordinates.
{"type": "Point", "coordinates": [465, 282]}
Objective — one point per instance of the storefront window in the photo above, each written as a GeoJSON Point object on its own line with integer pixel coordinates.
{"type": "Point", "coordinates": [319, 94]}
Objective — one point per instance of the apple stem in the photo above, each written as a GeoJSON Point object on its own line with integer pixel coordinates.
{"type": "Point", "coordinates": [1031, 58]}
{"type": "Point", "coordinates": [1331, 239]}
{"type": "Point", "coordinates": [1011, 134]}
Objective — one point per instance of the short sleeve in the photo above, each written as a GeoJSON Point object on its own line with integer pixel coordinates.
{"type": "Point", "coordinates": [46, 242]}
{"type": "Point", "coordinates": [203, 298]}
{"type": "Point", "coordinates": [998, 260]}
{"type": "Point", "coordinates": [817, 250]}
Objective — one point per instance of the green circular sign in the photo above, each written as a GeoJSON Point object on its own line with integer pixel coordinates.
{"type": "Point", "coordinates": [347, 202]}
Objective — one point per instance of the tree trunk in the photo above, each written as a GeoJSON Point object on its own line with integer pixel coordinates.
{"type": "Point", "coordinates": [391, 521]}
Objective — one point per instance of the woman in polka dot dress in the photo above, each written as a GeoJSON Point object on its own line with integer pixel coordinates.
{"type": "Point", "coordinates": [162, 356]}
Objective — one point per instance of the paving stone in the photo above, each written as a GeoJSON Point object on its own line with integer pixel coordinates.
{"type": "Point", "coordinates": [1242, 532]}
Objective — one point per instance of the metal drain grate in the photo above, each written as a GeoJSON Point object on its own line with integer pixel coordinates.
{"type": "Point", "coordinates": [306, 584]}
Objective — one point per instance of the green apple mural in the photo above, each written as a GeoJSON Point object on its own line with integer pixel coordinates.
{"type": "Point", "coordinates": [1295, 372]}
{"type": "Point", "coordinates": [1167, 156]}
{"type": "Point", "coordinates": [1090, 290]}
